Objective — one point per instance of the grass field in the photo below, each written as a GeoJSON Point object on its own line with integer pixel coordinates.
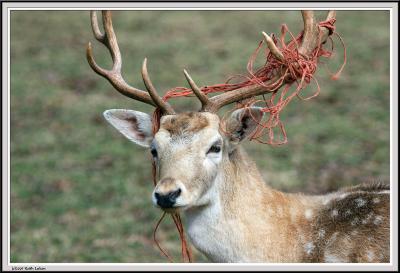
{"type": "Point", "coordinates": [80, 192]}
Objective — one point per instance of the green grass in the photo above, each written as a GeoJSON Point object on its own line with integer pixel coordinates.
{"type": "Point", "coordinates": [80, 192]}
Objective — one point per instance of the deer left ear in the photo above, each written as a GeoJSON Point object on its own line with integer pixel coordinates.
{"type": "Point", "coordinates": [242, 123]}
{"type": "Point", "coordinates": [134, 125]}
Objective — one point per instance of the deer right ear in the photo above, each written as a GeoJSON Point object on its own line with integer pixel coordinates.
{"type": "Point", "coordinates": [242, 123]}
{"type": "Point", "coordinates": [134, 125]}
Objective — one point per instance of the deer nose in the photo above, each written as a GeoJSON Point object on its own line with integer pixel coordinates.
{"type": "Point", "coordinates": [167, 200]}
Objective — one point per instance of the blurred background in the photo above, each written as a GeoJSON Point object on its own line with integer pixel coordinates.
{"type": "Point", "coordinates": [80, 191]}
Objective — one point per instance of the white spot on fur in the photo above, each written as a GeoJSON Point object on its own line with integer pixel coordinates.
{"type": "Point", "coordinates": [376, 200]}
{"type": "Point", "coordinates": [309, 248]}
{"type": "Point", "coordinates": [354, 233]}
{"type": "Point", "coordinates": [369, 216]}
{"type": "Point", "coordinates": [321, 233]}
{"type": "Point", "coordinates": [308, 214]}
{"type": "Point", "coordinates": [370, 255]}
{"type": "Point", "coordinates": [334, 213]}
{"type": "Point", "coordinates": [347, 212]}
{"type": "Point", "coordinates": [378, 220]}
{"type": "Point", "coordinates": [360, 202]}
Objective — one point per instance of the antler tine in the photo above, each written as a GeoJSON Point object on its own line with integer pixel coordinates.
{"type": "Point", "coordinates": [331, 14]}
{"type": "Point", "coordinates": [272, 47]}
{"type": "Point", "coordinates": [108, 39]}
{"type": "Point", "coordinates": [95, 27]}
{"type": "Point", "coordinates": [164, 106]}
{"type": "Point", "coordinates": [111, 41]}
{"type": "Point", "coordinates": [114, 76]}
{"type": "Point", "coordinates": [310, 35]}
{"type": "Point", "coordinates": [206, 104]}
{"type": "Point", "coordinates": [311, 39]}
{"type": "Point", "coordinates": [313, 34]}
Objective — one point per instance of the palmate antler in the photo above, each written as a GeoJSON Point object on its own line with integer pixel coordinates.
{"type": "Point", "coordinates": [313, 36]}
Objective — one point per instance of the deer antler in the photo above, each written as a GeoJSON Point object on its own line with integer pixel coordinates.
{"type": "Point", "coordinates": [114, 75]}
{"type": "Point", "coordinates": [205, 101]}
{"type": "Point", "coordinates": [312, 37]}
{"type": "Point", "coordinates": [311, 31]}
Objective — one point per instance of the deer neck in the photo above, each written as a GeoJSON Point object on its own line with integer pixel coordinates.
{"type": "Point", "coordinates": [227, 229]}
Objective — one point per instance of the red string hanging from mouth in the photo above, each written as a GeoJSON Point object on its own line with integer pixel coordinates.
{"type": "Point", "coordinates": [295, 71]}
{"type": "Point", "coordinates": [185, 249]}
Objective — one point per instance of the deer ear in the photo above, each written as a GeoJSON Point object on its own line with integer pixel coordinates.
{"type": "Point", "coordinates": [242, 123]}
{"type": "Point", "coordinates": [134, 125]}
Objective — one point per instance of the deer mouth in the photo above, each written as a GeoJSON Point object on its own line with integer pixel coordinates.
{"type": "Point", "coordinates": [174, 209]}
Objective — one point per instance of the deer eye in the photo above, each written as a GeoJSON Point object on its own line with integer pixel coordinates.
{"type": "Point", "coordinates": [216, 148]}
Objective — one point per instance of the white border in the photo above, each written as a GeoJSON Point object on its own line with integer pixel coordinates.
{"type": "Point", "coordinates": [200, 6]}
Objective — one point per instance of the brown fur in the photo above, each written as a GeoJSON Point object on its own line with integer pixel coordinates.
{"type": "Point", "coordinates": [135, 127]}
{"type": "Point", "coordinates": [190, 122]}
{"type": "Point", "coordinates": [167, 185]}
{"type": "Point", "coordinates": [359, 236]}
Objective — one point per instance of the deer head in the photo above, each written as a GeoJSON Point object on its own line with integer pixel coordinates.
{"type": "Point", "coordinates": [189, 149]}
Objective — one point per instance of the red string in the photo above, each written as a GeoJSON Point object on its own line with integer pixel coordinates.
{"type": "Point", "coordinates": [296, 70]}
{"type": "Point", "coordinates": [156, 241]}
{"type": "Point", "coordinates": [185, 249]}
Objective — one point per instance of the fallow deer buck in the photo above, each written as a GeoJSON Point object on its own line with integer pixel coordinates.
{"type": "Point", "coordinates": [231, 215]}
